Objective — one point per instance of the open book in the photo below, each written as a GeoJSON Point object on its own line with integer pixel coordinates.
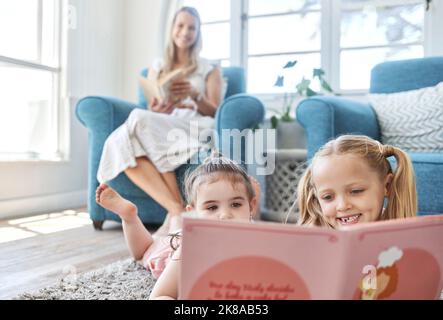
{"type": "Point", "coordinates": [159, 88]}
{"type": "Point", "coordinates": [396, 259]}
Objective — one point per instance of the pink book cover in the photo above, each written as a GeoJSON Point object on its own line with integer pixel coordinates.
{"type": "Point", "coordinates": [397, 259]}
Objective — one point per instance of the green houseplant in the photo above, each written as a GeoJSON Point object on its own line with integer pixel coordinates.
{"type": "Point", "coordinates": [302, 89]}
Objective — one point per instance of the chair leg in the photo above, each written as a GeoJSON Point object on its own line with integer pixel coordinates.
{"type": "Point", "coordinates": [98, 224]}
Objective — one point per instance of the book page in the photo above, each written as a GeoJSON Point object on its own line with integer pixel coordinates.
{"type": "Point", "coordinates": [171, 76]}
{"type": "Point", "coordinates": [154, 88]}
{"type": "Point", "coordinates": [234, 260]}
{"type": "Point", "coordinates": [165, 82]}
{"type": "Point", "coordinates": [397, 259]}
{"type": "Point", "coordinates": [150, 89]}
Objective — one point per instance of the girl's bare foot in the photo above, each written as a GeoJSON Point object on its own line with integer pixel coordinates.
{"type": "Point", "coordinates": [109, 199]}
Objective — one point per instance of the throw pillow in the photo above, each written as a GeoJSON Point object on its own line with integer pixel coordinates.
{"type": "Point", "coordinates": [411, 120]}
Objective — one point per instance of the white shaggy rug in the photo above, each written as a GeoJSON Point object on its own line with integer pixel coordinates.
{"type": "Point", "coordinates": [122, 280]}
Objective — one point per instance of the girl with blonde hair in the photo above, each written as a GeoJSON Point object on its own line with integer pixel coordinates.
{"type": "Point", "coordinates": [351, 181]}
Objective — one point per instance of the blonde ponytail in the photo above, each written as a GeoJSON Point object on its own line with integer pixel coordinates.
{"type": "Point", "coordinates": [402, 199]}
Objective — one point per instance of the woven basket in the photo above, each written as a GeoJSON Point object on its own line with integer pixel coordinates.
{"type": "Point", "coordinates": [281, 186]}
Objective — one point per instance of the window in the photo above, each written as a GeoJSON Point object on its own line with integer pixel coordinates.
{"type": "Point", "coordinates": [344, 37]}
{"type": "Point", "coordinates": [30, 79]}
{"type": "Point", "coordinates": [216, 28]}
{"type": "Point", "coordinates": [270, 45]}
{"type": "Point", "coordinates": [392, 30]}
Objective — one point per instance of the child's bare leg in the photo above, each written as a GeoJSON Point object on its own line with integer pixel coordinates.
{"type": "Point", "coordinates": [175, 223]}
{"type": "Point", "coordinates": [137, 237]}
{"type": "Point", "coordinates": [146, 176]}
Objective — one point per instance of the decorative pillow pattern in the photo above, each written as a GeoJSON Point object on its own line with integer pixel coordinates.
{"type": "Point", "coordinates": [411, 120]}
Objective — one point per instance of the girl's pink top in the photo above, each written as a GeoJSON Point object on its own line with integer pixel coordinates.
{"type": "Point", "coordinates": [158, 255]}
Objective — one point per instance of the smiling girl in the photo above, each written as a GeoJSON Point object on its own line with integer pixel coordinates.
{"type": "Point", "coordinates": [351, 181]}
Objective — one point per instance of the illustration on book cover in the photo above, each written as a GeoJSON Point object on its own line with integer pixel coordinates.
{"type": "Point", "coordinates": [401, 274]}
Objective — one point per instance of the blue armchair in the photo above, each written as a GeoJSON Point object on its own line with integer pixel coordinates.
{"type": "Point", "coordinates": [101, 115]}
{"type": "Point", "coordinates": [327, 117]}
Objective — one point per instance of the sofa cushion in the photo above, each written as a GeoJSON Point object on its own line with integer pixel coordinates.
{"type": "Point", "coordinates": [428, 169]}
{"type": "Point", "coordinates": [411, 120]}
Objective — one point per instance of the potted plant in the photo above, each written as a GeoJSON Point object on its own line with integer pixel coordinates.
{"type": "Point", "coordinates": [290, 134]}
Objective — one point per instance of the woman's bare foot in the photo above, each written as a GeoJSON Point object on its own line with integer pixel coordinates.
{"type": "Point", "coordinates": [109, 199]}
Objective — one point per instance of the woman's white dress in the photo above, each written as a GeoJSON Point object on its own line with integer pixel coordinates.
{"type": "Point", "coordinates": [168, 140]}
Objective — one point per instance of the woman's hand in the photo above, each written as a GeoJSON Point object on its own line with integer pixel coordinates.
{"type": "Point", "coordinates": [181, 89]}
{"type": "Point", "coordinates": [161, 105]}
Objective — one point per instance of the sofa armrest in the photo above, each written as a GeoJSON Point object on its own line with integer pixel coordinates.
{"type": "Point", "coordinates": [238, 112]}
{"type": "Point", "coordinates": [101, 115]}
{"type": "Point", "coordinates": [325, 118]}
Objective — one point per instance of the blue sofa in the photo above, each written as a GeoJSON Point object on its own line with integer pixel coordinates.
{"type": "Point", "coordinates": [101, 115]}
{"type": "Point", "coordinates": [327, 117]}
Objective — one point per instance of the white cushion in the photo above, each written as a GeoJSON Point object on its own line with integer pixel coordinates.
{"type": "Point", "coordinates": [411, 120]}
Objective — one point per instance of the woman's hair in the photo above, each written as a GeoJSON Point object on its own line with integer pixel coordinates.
{"type": "Point", "coordinates": [214, 168]}
{"type": "Point", "coordinates": [402, 196]}
{"type": "Point", "coordinates": [194, 50]}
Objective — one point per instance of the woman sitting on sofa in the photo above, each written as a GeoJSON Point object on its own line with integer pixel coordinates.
{"type": "Point", "coordinates": [142, 147]}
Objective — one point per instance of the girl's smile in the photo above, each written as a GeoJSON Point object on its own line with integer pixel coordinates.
{"type": "Point", "coordinates": [350, 219]}
{"type": "Point", "coordinates": [348, 190]}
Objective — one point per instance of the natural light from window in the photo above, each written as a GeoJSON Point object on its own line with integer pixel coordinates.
{"type": "Point", "coordinates": [23, 228]}
{"type": "Point", "coordinates": [30, 76]}
{"type": "Point", "coordinates": [216, 28]}
{"type": "Point", "coordinates": [347, 42]}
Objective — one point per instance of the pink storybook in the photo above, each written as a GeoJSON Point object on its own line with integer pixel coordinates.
{"type": "Point", "coordinates": [396, 259]}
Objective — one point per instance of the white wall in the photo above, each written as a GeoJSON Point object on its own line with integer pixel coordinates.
{"type": "Point", "coordinates": [94, 67]}
{"type": "Point", "coordinates": [435, 24]}
{"type": "Point", "coordinates": [96, 48]}
{"type": "Point", "coordinates": [142, 40]}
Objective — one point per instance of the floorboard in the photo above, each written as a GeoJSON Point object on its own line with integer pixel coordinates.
{"type": "Point", "coordinates": [56, 245]}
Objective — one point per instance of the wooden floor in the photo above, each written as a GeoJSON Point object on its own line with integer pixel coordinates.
{"type": "Point", "coordinates": [53, 246]}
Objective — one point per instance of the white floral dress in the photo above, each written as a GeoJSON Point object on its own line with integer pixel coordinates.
{"type": "Point", "coordinates": [168, 140]}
